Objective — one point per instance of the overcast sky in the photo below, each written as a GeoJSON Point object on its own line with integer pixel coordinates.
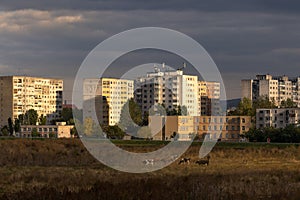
{"type": "Point", "coordinates": [51, 38]}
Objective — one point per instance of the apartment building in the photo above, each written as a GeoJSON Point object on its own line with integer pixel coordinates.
{"type": "Point", "coordinates": [226, 128]}
{"type": "Point", "coordinates": [19, 94]}
{"type": "Point", "coordinates": [60, 130]}
{"type": "Point", "coordinates": [108, 96]}
{"type": "Point", "coordinates": [170, 88]}
{"type": "Point", "coordinates": [277, 117]}
{"type": "Point", "coordinates": [278, 88]}
{"type": "Point", "coordinates": [209, 98]}
{"type": "Point", "coordinates": [296, 90]}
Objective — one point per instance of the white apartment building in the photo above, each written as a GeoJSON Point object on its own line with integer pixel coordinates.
{"type": "Point", "coordinates": [277, 117]}
{"type": "Point", "coordinates": [19, 94]}
{"type": "Point", "coordinates": [278, 88]}
{"type": "Point", "coordinates": [170, 88]}
{"type": "Point", "coordinates": [109, 96]}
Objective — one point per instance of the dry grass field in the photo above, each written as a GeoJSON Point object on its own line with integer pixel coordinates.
{"type": "Point", "coordinates": [63, 169]}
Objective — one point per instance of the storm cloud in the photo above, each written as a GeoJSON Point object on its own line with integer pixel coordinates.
{"type": "Point", "coordinates": [51, 38]}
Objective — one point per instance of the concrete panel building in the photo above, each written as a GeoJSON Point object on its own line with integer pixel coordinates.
{"type": "Point", "coordinates": [170, 88]}
{"type": "Point", "coordinates": [230, 128]}
{"type": "Point", "coordinates": [277, 89]}
{"type": "Point", "coordinates": [209, 98]}
{"type": "Point", "coordinates": [277, 117]}
{"type": "Point", "coordinates": [60, 130]}
{"type": "Point", "coordinates": [108, 96]}
{"type": "Point", "coordinates": [19, 94]}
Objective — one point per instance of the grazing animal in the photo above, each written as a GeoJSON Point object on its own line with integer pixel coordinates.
{"type": "Point", "coordinates": [149, 162]}
{"type": "Point", "coordinates": [203, 161]}
{"type": "Point", "coordinates": [184, 160]}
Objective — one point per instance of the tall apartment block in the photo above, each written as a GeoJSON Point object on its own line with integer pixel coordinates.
{"type": "Point", "coordinates": [209, 98]}
{"type": "Point", "coordinates": [19, 94]}
{"type": "Point", "coordinates": [108, 96]}
{"type": "Point", "coordinates": [170, 88]}
{"type": "Point", "coordinates": [278, 88]}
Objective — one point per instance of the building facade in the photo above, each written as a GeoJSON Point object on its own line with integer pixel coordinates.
{"type": "Point", "coordinates": [60, 130]}
{"type": "Point", "coordinates": [277, 89]}
{"type": "Point", "coordinates": [277, 117]}
{"type": "Point", "coordinates": [108, 96]}
{"type": "Point", "coordinates": [209, 98]}
{"type": "Point", "coordinates": [169, 88]}
{"type": "Point", "coordinates": [226, 128]}
{"type": "Point", "coordinates": [19, 94]}
{"type": "Point", "coordinates": [222, 127]}
{"type": "Point", "coordinates": [296, 90]}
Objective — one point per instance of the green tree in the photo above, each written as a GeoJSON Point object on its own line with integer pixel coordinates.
{"type": "Point", "coordinates": [264, 102]}
{"type": "Point", "coordinates": [113, 132]}
{"type": "Point", "coordinates": [67, 115]}
{"type": "Point", "coordinates": [74, 132]}
{"type": "Point", "coordinates": [177, 111]}
{"type": "Point", "coordinates": [5, 131]}
{"type": "Point", "coordinates": [34, 133]}
{"type": "Point", "coordinates": [10, 126]}
{"type": "Point", "coordinates": [17, 126]}
{"type": "Point", "coordinates": [288, 104]}
{"type": "Point", "coordinates": [21, 119]}
{"type": "Point", "coordinates": [31, 117]}
{"type": "Point", "coordinates": [131, 116]}
{"type": "Point", "coordinates": [245, 107]}
{"type": "Point", "coordinates": [42, 120]}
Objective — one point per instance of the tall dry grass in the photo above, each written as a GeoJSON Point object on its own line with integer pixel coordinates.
{"type": "Point", "coordinates": [63, 169]}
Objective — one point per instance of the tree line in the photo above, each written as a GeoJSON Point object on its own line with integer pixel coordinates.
{"type": "Point", "coordinates": [289, 134]}
{"type": "Point", "coordinates": [31, 117]}
{"type": "Point", "coordinates": [248, 107]}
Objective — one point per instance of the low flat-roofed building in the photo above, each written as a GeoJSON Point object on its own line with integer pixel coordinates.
{"type": "Point", "coordinates": [226, 128]}
{"type": "Point", "coordinates": [60, 130]}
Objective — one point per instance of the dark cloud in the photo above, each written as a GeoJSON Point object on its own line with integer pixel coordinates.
{"type": "Point", "coordinates": [51, 38]}
{"type": "Point", "coordinates": [213, 5]}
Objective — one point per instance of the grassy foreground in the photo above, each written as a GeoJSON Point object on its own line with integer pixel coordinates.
{"type": "Point", "coordinates": [63, 169]}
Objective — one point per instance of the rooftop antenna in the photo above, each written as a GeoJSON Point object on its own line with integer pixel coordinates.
{"type": "Point", "coordinates": [155, 68]}
{"type": "Point", "coordinates": [184, 66]}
